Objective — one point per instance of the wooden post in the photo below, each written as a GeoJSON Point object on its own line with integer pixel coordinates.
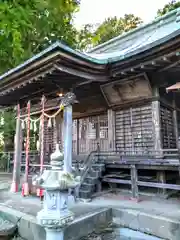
{"type": "Point", "coordinates": [161, 178]}
{"type": "Point", "coordinates": [68, 138]}
{"type": "Point", "coordinates": [175, 122]}
{"type": "Point", "coordinates": [77, 137]}
{"type": "Point", "coordinates": [62, 134]}
{"type": "Point", "coordinates": [157, 129]}
{"type": "Point", "coordinates": [88, 140]}
{"type": "Point", "coordinates": [111, 129]}
{"type": "Point", "coordinates": [156, 120]}
{"type": "Point", "coordinates": [134, 183]}
{"type": "Point", "coordinates": [17, 155]}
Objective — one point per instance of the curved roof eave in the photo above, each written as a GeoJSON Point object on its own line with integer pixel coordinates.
{"type": "Point", "coordinates": [56, 46]}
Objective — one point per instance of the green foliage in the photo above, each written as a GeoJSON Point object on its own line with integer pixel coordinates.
{"type": "Point", "coordinates": [113, 27]}
{"type": "Point", "coordinates": [168, 7]}
{"type": "Point", "coordinates": [4, 161]}
{"type": "Point", "coordinates": [27, 27]}
{"type": "Point", "coordinates": [110, 28]}
{"type": "Point", "coordinates": [85, 37]}
{"type": "Point", "coordinates": [7, 128]}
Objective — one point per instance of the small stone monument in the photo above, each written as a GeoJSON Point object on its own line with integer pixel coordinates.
{"type": "Point", "coordinates": [55, 214]}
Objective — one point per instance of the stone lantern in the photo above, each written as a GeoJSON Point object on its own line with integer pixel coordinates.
{"type": "Point", "coordinates": [56, 182]}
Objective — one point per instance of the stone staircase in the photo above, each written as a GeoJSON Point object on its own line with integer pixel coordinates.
{"type": "Point", "coordinates": [91, 179]}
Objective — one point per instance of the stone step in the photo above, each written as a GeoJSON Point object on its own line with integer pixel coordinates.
{"type": "Point", "coordinates": [85, 194]}
{"type": "Point", "coordinates": [93, 173]}
{"type": "Point", "coordinates": [90, 180]}
{"type": "Point", "coordinates": [87, 186]}
{"type": "Point", "coordinates": [98, 164]}
{"type": "Point", "coordinates": [98, 167]}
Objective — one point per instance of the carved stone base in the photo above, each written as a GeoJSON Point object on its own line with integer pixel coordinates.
{"type": "Point", "coordinates": [55, 213]}
{"type": "Point", "coordinates": [55, 220]}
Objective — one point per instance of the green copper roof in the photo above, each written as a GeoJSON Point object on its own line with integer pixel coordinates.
{"type": "Point", "coordinates": [140, 39]}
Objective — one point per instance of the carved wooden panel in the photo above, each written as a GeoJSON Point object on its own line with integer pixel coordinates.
{"type": "Point", "coordinates": [134, 132]}
{"type": "Point", "coordinates": [121, 92]}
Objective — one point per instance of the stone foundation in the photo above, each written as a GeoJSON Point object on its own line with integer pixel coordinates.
{"type": "Point", "coordinates": [152, 224]}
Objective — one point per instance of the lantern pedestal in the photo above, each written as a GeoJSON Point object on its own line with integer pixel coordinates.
{"type": "Point", "coordinates": [55, 215]}
{"type": "Point", "coordinates": [54, 234]}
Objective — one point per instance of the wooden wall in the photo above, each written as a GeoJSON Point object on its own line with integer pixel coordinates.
{"type": "Point", "coordinates": [137, 130]}
{"type": "Point", "coordinates": [134, 129]}
{"type": "Point", "coordinates": [88, 133]}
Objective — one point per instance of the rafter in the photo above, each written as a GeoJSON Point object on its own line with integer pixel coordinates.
{"type": "Point", "coordinates": [169, 66]}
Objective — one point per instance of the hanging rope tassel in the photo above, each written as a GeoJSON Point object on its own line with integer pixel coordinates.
{"type": "Point", "coordinates": [49, 123]}
{"type": "Point", "coordinates": [31, 126]}
{"type": "Point", "coordinates": [23, 124]}
{"type": "Point", "coordinates": [35, 127]}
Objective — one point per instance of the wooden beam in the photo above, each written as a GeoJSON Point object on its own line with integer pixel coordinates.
{"type": "Point", "coordinates": [27, 79]}
{"type": "Point", "coordinates": [165, 59]}
{"type": "Point", "coordinates": [93, 78]}
{"type": "Point", "coordinates": [144, 184]}
{"type": "Point", "coordinates": [147, 65]}
{"type": "Point", "coordinates": [169, 66]}
{"type": "Point", "coordinates": [154, 63]}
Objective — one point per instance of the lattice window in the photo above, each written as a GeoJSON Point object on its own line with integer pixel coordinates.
{"type": "Point", "coordinates": [167, 128]}
{"type": "Point", "coordinates": [93, 131]}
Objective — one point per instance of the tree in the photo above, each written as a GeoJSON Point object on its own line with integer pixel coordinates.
{"type": "Point", "coordinates": [168, 7]}
{"type": "Point", "coordinates": [110, 28]}
{"type": "Point", "coordinates": [85, 37]}
{"type": "Point", "coordinates": [7, 128]}
{"type": "Point", "coordinates": [113, 27]}
{"type": "Point", "coordinates": [26, 27]}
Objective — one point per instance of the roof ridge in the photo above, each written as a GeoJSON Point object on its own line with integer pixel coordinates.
{"type": "Point", "coordinates": [141, 27]}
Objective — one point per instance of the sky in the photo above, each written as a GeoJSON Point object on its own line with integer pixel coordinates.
{"type": "Point", "coordinates": [95, 11]}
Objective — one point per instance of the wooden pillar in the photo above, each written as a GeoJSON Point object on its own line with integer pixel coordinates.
{"type": "Point", "coordinates": [161, 178]}
{"type": "Point", "coordinates": [156, 120]}
{"type": "Point", "coordinates": [77, 144]}
{"type": "Point", "coordinates": [158, 147]}
{"type": "Point", "coordinates": [59, 131]}
{"type": "Point", "coordinates": [17, 157]}
{"type": "Point", "coordinates": [134, 183]}
{"type": "Point", "coordinates": [175, 123]}
{"type": "Point", "coordinates": [88, 140]}
{"type": "Point", "coordinates": [111, 130]}
{"type": "Point", "coordinates": [68, 139]}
